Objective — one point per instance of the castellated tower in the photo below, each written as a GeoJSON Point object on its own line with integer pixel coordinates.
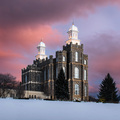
{"type": "Point", "coordinates": [77, 66]}
{"type": "Point", "coordinates": [39, 78]}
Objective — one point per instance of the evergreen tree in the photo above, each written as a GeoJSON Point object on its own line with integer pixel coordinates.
{"type": "Point", "coordinates": [61, 87]}
{"type": "Point", "coordinates": [108, 90]}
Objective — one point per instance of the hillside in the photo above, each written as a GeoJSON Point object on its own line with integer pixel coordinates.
{"type": "Point", "coordinates": [57, 110]}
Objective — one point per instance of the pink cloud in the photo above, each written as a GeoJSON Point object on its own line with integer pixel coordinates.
{"type": "Point", "coordinates": [18, 46]}
{"type": "Point", "coordinates": [25, 37]}
{"type": "Point", "coordinates": [20, 12]}
{"type": "Point", "coordinates": [24, 23]}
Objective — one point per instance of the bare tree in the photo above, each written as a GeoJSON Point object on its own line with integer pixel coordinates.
{"type": "Point", "coordinates": [7, 82]}
{"type": "Point", "coordinates": [20, 91]}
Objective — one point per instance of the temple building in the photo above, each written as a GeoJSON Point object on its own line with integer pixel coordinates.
{"type": "Point", "coordinates": [39, 78]}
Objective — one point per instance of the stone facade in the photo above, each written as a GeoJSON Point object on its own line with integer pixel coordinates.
{"type": "Point", "coordinates": [42, 74]}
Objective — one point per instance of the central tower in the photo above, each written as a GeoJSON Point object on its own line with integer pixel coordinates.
{"type": "Point", "coordinates": [73, 35]}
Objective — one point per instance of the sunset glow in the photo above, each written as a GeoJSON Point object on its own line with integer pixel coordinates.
{"type": "Point", "coordinates": [24, 23]}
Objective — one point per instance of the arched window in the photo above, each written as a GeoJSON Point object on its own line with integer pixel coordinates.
{"type": "Point", "coordinates": [76, 56]}
{"type": "Point", "coordinates": [64, 69]}
{"type": "Point", "coordinates": [76, 72]}
{"type": "Point", "coordinates": [85, 74]}
{"type": "Point", "coordinates": [85, 91]}
{"type": "Point", "coordinates": [85, 62]}
{"type": "Point", "coordinates": [76, 89]}
{"type": "Point", "coordinates": [63, 58]}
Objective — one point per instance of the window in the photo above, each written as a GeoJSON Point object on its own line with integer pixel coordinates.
{"type": "Point", "coordinates": [26, 78]}
{"type": "Point", "coordinates": [26, 87]}
{"type": "Point", "coordinates": [76, 72]}
{"type": "Point", "coordinates": [56, 59]}
{"type": "Point", "coordinates": [56, 72]}
{"type": "Point", "coordinates": [48, 74]}
{"type": "Point", "coordinates": [44, 74]}
{"type": "Point", "coordinates": [85, 74]}
{"type": "Point", "coordinates": [76, 56]}
{"type": "Point", "coordinates": [64, 69]}
{"type": "Point", "coordinates": [63, 58]}
{"type": "Point", "coordinates": [76, 89]}
{"type": "Point", "coordinates": [85, 62]}
{"type": "Point", "coordinates": [85, 91]}
{"type": "Point", "coordinates": [38, 78]}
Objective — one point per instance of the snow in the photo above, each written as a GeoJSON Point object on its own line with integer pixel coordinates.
{"type": "Point", "coordinates": [13, 109]}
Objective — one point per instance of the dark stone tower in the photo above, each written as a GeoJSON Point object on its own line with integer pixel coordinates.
{"type": "Point", "coordinates": [42, 74]}
{"type": "Point", "coordinates": [77, 74]}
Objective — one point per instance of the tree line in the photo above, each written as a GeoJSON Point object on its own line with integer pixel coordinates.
{"type": "Point", "coordinates": [8, 84]}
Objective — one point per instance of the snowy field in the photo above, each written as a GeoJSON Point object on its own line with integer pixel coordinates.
{"type": "Point", "coordinates": [11, 109]}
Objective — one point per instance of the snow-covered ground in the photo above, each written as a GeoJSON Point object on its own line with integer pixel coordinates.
{"type": "Point", "coordinates": [11, 109]}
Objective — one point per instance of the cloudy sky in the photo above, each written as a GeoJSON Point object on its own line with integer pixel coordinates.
{"type": "Point", "coordinates": [24, 22]}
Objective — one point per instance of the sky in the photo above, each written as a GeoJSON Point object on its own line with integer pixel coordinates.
{"type": "Point", "coordinates": [24, 22]}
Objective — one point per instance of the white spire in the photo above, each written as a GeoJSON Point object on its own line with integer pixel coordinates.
{"type": "Point", "coordinates": [41, 51]}
{"type": "Point", "coordinates": [73, 35]}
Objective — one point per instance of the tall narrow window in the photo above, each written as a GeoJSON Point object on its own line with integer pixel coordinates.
{"type": "Point", "coordinates": [26, 87]}
{"type": "Point", "coordinates": [85, 62]}
{"type": "Point", "coordinates": [85, 74]}
{"type": "Point", "coordinates": [44, 74]}
{"type": "Point", "coordinates": [76, 72]}
{"type": "Point", "coordinates": [38, 78]}
{"type": "Point", "coordinates": [64, 69]}
{"type": "Point", "coordinates": [56, 71]}
{"type": "Point", "coordinates": [63, 58]}
{"type": "Point", "coordinates": [85, 91]}
{"type": "Point", "coordinates": [48, 74]}
{"type": "Point", "coordinates": [76, 56]}
{"type": "Point", "coordinates": [76, 89]}
{"type": "Point", "coordinates": [56, 59]}
{"type": "Point", "coordinates": [25, 78]}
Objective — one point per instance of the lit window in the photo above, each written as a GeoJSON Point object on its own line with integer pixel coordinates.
{"type": "Point", "coordinates": [63, 58]}
{"type": "Point", "coordinates": [85, 74]}
{"type": "Point", "coordinates": [85, 62]}
{"type": "Point", "coordinates": [76, 72]}
{"type": "Point", "coordinates": [76, 56]}
{"type": "Point", "coordinates": [76, 89]}
{"type": "Point", "coordinates": [64, 69]}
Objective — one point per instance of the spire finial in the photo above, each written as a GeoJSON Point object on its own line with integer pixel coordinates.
{"type": "Point", "coordinates": [73, 22]}
{"type": "Point", "coordinates": [41, 39]}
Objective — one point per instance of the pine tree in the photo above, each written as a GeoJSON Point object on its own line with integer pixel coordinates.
{"type": "Point", "coordinates": [61, 87]}
{"type": "Point", "coordinates": [108, 90]}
